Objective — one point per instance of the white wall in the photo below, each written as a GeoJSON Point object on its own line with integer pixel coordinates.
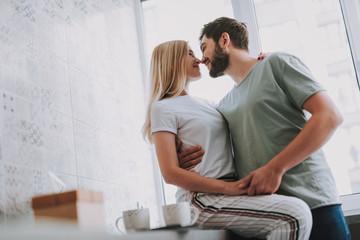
{"type": "Point", "coordinates": [72, 102]}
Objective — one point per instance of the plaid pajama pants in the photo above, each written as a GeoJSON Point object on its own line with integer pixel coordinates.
{"type": "Point", "coordinates": [274, 217]}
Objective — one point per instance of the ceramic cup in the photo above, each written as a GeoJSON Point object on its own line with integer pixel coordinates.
{"type": "Point", "coordinates": [177, 214]}
{"type": "Point", "coordinates": [135, 219]}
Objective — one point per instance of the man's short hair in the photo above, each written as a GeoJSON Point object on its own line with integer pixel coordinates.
{"type": "Point", "coordinates": [237, 31]}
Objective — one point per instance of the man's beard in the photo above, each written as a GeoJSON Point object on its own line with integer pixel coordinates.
{"type": "Point", "coordinates": [219, 63]}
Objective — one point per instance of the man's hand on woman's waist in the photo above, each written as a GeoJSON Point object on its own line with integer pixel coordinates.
{"type": "Point", "coordinates": [189, 158]}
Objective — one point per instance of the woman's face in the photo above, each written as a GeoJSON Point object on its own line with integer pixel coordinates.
{"type": "Point", "coordinates": [193, 69]}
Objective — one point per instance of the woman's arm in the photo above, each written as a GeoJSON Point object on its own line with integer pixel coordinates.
{"type": "Point", "coordinates": [173, 174]}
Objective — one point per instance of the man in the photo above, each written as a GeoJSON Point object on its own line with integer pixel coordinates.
{"type": "Point", "coordinates": [276, 148]}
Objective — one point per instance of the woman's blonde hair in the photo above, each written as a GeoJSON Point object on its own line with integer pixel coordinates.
{"type": "Point", "coordinates": [168, 75]}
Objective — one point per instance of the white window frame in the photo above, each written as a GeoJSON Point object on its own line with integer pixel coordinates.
{"type": "Point", "coordinates": [351, 16]}
{"type": "Point", "coordinates": [159, 188]}
{"type": "Point", "coordinates": [244, 11]}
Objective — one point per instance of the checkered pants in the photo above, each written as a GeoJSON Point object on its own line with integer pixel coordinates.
{"type": "Point", "coordinates": [273, 216]}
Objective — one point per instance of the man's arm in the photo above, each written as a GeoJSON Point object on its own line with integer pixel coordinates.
{"type": "Point", "coordinates": [189, 158]}
{"type": "Point", "coordinates": [317, 131]}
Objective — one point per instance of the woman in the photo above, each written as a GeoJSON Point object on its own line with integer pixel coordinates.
{"type": "Point", "coordinates": [211, 187]}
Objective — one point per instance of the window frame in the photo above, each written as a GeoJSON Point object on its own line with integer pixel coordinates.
{"type": "Point", "coordinates": [351, 20]}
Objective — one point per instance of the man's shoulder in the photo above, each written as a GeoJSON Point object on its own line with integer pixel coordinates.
{"type": "Point", "coordinates": [279, 56]}
{"type": "Point", "coordinates": [226, 100]}
{"type": "Point", "coordinates": [278, 61]}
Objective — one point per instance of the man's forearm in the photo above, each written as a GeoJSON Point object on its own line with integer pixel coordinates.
{"type": "Point", "coordinates": [316, 132]}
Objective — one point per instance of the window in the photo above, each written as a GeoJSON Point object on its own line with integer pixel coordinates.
{"type": "Point", "coordinates": [351, 15]}
{"type": "Point", "coordinates": [313, 30]}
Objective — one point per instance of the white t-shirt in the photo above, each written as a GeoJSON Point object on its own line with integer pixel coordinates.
{"type": "Point", "coordinates": [197, 122]}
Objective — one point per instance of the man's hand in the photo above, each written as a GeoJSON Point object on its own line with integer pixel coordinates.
{"type": "Point", "coordinates": [190, 157]}
{"type": "Point", "coordinates": [263, 180]}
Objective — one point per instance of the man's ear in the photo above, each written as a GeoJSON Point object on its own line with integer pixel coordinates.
{"type": "Point", "coordinates": [224, 40]}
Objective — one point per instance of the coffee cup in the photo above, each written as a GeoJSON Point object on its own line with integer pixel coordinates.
{"type": "Point", "coordinates": [135, 219]}
{"type": "Point", "coordinates": [177, 214]}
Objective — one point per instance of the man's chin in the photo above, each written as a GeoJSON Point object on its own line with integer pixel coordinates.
{"type": "Point", "coordinates": [214, 74]}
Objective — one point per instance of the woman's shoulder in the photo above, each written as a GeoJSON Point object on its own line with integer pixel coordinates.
{"type": "Point", "coordinates": [158, 107]}
{"type": "Point", "coordinates": [167, 103]}
{"type": "Point", "coordinates": [203, 101]}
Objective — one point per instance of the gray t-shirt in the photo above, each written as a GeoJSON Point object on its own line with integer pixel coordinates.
{"type": "Point", "coordinates": [265, 114]}
{"type": "Point", "coordinates": [197, 122]}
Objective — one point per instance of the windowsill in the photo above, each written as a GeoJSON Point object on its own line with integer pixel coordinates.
{"type": "Point", "coordinates": [350, 204]}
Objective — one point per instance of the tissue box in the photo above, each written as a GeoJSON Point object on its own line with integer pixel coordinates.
{"type": "Point", "coordinates": [82, 207]}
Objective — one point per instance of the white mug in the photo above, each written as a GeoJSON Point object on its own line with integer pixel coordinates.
{"type": "Point", "coordinates": [177, 214]}
{"type": "Point", "coordinates": [135, 219]}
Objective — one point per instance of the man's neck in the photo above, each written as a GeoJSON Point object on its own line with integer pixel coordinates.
{"type": "Point", "coordinates": [240, 65]}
